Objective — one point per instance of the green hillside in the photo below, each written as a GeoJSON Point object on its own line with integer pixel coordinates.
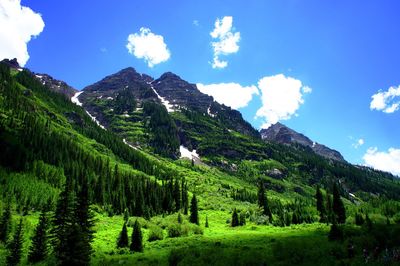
{"type": "Point", "coordinates": [257, 199]}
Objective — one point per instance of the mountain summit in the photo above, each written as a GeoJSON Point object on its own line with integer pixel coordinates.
{"type": "Point", "coordinates": [282, 134]}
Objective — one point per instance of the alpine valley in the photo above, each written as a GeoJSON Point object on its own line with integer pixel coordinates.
{"type": "Point", "coordinates": [137, 170]}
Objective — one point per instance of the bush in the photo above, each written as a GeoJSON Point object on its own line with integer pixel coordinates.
{"type": "Point", "coordinates": [177, 230]}
{"type": "Point", "coordinates": [197, 230]}
{"type": "Point", "coordinates": [155, 233]}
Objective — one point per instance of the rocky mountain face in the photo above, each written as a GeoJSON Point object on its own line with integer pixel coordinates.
{"type": "Point", "coordinates": [282, 134]}
{"type": "Point", "coordinates": [56, 85]}
{"type": "Point", "coordinates": [170, 90]}
{"type": "Point", "coordinates": [52, 83]}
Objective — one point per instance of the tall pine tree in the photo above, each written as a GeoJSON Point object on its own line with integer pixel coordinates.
{"type": "Point", "coordinates": [85, 222]}
{"type": "Point", "coordinates": [14, 247]}
{"type": "Point", "coordinates": [39, 248]}
{"type": "Point", "coordinates": [320, 205]}
{"type": "Point", "coordinates": [5, 223]}
{"type": "Point", "coordinates": [235, 218]}
{"type": "Point", "coordinates": [194, 214]}
{"type": "Point", "coordinates": [338, 207]}
{"type": "Point", "coordinates": [123, 238]}
{"type": "Point", "coordinates": [137, 238]}
{"type": "Point", "coordinates": [263, 201]}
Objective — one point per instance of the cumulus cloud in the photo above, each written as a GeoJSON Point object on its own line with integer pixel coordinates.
{"type": "Point", "coordinates": [230, 94]}
{"type": "Point", "coordinates": [226, 41]}
{"type": "Point", "coordinates": [386, 101]}
{"type": "Point", "coordinates": [386, 161]}
{"type": "Point", "coordinates": [281, 97]}
{"type": "Point", "coordinates": [18, 25]}
{"type": "Point", "coordinates": [358, 143]}
{"type": "Point", "coordinates": [148, 46]}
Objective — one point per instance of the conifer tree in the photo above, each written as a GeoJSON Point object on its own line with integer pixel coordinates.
{"type": "Point", "coordinates": [206, 225]}
{"type": "Point", "coordinates": [235, 218]}
{"type": "Point", "coordinates": [5, 223]}
{"type": "Point", "coordinates": [85, 222]}
{"type": "Point", "coordinates": [242, 219]}
{"type": "Point", "coordinates": [123, 238]}
{"type": "Point", "coordinates": [329, 211]}
{"type": "Point", "coordinates": [179, 218]}
{"type": "Point", "coordinates": [177, 195]}
{"type": "Point", "coordinates": [63, 219]}
{"type": "Point", "coordinates": [137, 238]}
{"type": "Point", "coordinates": [126, 215]}
{"type": "Point", "coordinates": [338, 207]}
{"type": "Point", "coordinates": [185, 198]}
{"type": "Point", "coordinates": [320, 205]}
{"type": "Point", "coordinates": [14, 247]}
{"type": "Point", "coordinates": [263, 201]}
{"type": "Point", "coordinates": [39, 248]}
{"type": "Point", "coordinates": [336, 232]}
{"type": "Point", "coordinates": [194, 215]}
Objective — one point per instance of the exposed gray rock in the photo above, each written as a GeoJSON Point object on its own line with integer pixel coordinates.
{"type": "Point", "coordinates": [284, 135]}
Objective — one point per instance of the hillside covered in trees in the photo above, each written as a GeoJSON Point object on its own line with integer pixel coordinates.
{"type": "Point", "coordinates": [74, 193]}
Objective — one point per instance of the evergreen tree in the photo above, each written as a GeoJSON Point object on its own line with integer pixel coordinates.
{"type": "Point", "coordinates": [368, 222]}
{"type": "Point", "coordinates": [123, 238]}
{"type": "Point", "coordinates": [242, 219]}
{"type": "Point", "coordinates": [329, 211]}
{"type": "Point", "coordinates": [39, 248]}
{"type": "Point", "coordinates": [137, 238]}
{"type": "Point", "coordinates": [177, 195]}
{"type": "Point", "coordinates": [194, 215]}
{"type": "Point", "coordinates": [179, 218]}
{"type": "Point", "coordinates": [206, 225]}
{"type": "Point", "coordinates": [338, 207]}
{"type": "Point", "coordinates": [320, 205]}
{"type": "Point", "coordinates": [263, 201]}
{"type": "Point", "coordinates": [359, 219]}
{"type": "Point", "coordinates": [14, 247]}
{"type": "Point", "coordinates": [85, 222]}
{"type": "Point", "coordinates": [235, 218]}
{"type": "Point", "coordinates": [126, 215]}
{"type": "Point", "coordinates": [63, 219]}
{"type": "Point", "coordinates": [185, 198]}
{"type": "Point", "coordinates": [5, 223]}
{"type": "Point", "coordinates": [336, 232]}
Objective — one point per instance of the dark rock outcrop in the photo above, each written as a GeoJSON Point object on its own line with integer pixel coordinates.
{"type": "Point", "coordinates": [282, 134]}
{"type": "Point", "coordinates": [56, 85]}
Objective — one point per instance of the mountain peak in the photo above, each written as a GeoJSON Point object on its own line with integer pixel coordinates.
{"type": "Point", "coordinates": [282, 134]}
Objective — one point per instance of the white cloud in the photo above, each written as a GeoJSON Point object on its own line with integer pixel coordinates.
{"type": "Point", "coordinates": [386, 161]}
{"type": "Point", "coordinates": [281, 97]}
{"type": "Point", "coordinates": [196, 23]}
{"type": "Point", "coordinates": [358, 143]}
{"type": "Point", "coordinates": [386, 101]}
{"type": "Point", "coordinates": [18, 25]}
{"type": "Point", "coordinates": [226, 41]}
{"type": "Point", "coordinates": [230, 94]}
{"type": "Point", "coordinates": [149, 46]}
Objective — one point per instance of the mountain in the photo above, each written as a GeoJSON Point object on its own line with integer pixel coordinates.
{"type": "Point", "coordinates": [118, 103]}
{"type": "Point", "coordinates": [55, 153]}
{"type": "Point", "coordinates": [282, 134]}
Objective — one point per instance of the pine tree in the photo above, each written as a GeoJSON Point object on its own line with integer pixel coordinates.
{"type": "Point", "coordinates": [126, 215]}
{"type": "Point", "coordinates": [14, 247]}
{"type": "Point", "coordinates": [137, 238]}
{"type": "Point", "coordinates": [242, 219]}
{"type": "Point", "coordinates": [5, 223]}
{"type": "Point", "coordinates": [235, 218]}
{"type": "Point", "coordinates": [85, 222]}
{"type": "Point", "coordinates": [39, 248]}
{"type": "Point", "coordinates": [177, 195]}
{"type": "Point", "coordinates": [185, 198]}
{"type": "Point", "coordinates": [336, 232]}
{"type": "Point", "coordinates": [263, 201]}
{"type": "Point", "coordinates": [320, 205]}
{"type": "Point", "coordinates": [338, 207]}
{"type": "Point", "coordinates": [179, 218]}
{"type": "Point", "coordinates": [194, 215]}
{"type": "Point", "coordinates": [359, 219]}
{"type": "Point", "coordinates": [206, 225]}
{"type": "Point", "coordinates": [63, 219]}
{"type": "Point", "coordinates": [123, 238]}
{"type": "Point", "coordinates": [329, 211]}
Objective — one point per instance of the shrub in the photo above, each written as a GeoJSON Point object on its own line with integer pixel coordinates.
{"type": "Point", "coordinates": [155, 233]}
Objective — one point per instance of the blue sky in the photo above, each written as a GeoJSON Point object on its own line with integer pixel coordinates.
{"type": "Point", "coordinates": [312, 65]}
